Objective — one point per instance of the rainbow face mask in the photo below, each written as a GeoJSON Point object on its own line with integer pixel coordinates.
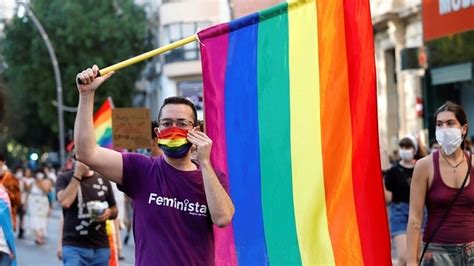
{"type": "Point", "coordinates": [173, 142]}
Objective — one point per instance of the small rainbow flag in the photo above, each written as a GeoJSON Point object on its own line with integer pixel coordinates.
{"type": "Point", "coordinates": [103, 124]}
{"type": "Point", "coordinates": [112, 237]}
{"type": "Point", "coordinates": [290, 103]}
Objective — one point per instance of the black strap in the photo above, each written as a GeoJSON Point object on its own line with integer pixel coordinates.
{"type": "Point", "coordinates": [469, 162]}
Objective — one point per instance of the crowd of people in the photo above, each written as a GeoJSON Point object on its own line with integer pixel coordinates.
{"type": "Point", "coordinates": [29, 194]}
{"type": "Point", "coordinates": [430, 196]}
{"type": "Point", "coordinates": [177, 195]}
{"type": "Point", "coordinates": [27, 199]}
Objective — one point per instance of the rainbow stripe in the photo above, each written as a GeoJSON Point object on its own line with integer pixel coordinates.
{"type": "Point", "coordinates": [174, 142]}
{"type": "Point", "coordinates": [103, 124]}
{"type": "Point", "coordinates": [290, 102]}
{"type": "Point", "coordinates": [173, 137]}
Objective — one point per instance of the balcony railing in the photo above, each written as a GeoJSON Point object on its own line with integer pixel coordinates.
{"type": "Point", "coordinates": [177, 31]}
{"type": "Point", "coordinates": [182, 54]}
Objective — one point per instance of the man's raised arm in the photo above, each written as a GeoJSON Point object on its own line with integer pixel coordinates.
{"type": "Point", "coordinates": [106, 162]}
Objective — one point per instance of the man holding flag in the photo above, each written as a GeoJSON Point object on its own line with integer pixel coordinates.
{"type": "Point", "coordinates": [176, 201]}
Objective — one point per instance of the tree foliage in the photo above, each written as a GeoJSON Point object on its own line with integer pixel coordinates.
{"type": "Point", "coordinates": [82, 33]}
{"type": "Point", "coordinates": [2, 105]}
{"type": "Point", "coordinates": [452, 49]}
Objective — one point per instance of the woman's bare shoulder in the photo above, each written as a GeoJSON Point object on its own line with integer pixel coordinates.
{"type": "Point", "coordinates": [425, 161]}
{"type": "Point", "coordinates": [424, 167]}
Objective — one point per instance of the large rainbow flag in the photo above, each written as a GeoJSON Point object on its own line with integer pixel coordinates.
{"type": "Point", "coordinates": [290, 103]}
{"type": "Point", "coordinates": [103, 124]}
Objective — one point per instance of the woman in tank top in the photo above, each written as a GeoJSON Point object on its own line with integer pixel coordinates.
{"type": "Point", "coordinates": [436, 180]}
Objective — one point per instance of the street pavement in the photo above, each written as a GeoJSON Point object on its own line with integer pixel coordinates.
{"type": "Point", "coordinates": [28, 253]}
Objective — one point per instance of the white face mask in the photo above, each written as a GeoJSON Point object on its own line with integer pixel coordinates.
{"type": "Point", "coordinates": [39, 176]}
{"type": "Point", "coordinates": [19, 173]}
{"type": "Point", "coordinates": [449, 138]}
{"type": "Point", "coordinates": [406, 154]}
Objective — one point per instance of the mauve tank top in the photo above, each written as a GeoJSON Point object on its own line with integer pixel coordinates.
{"type": "Point", "coordinates": [458, 227]}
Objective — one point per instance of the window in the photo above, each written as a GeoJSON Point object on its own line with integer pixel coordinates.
{"type": "Point", "coordinates": [192, 89]}
{"type": "Point", "coordinates": [177, 31]}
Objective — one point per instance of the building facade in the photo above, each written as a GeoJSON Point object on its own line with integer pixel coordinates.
{"type": "Point", "coordinates": [424, 57]}
{"type": "Point", "coordinates": [177, 72]}
{"type": "Point", "coordinates": [397, 27]}
{"type": "Point", "coordinates": [240, 8]}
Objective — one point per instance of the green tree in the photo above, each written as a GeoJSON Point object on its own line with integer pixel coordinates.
{"type": "Point", "coordinates": [453, 49]}
{"type": "Point", "coordinates": [82, 33]}
{"type": "Point", "coordinates": [2, 104]}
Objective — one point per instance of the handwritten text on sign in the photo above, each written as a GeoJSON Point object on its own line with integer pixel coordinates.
{"type": "Point", "coordinates": [131, 128]}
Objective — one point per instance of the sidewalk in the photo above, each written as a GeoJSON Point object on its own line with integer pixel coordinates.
{"type": "Point", "coordinates": [28, 253]}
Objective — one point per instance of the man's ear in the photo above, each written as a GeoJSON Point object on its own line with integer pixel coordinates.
{"type": "Point", "coordinates": [157, 132]}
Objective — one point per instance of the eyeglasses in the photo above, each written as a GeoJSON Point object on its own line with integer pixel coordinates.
{"type": "Point", "coordinates": [181, 123]}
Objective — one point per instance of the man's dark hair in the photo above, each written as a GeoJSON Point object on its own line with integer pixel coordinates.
{"type": "Point", "coordinates": [407, 143]}
{"type": "Point", "coordinates": [2, 157]}
{"type": "Point", "coordinates": [180, 100]}
{"type": "Point", "coordinates": [153, 125]}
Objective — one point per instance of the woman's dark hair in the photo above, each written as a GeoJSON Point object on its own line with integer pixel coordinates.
{"type": "Point", "coordinates": [458, 112]}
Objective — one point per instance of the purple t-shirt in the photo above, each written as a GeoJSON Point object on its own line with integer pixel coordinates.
{"type": "Point", "coordinates": [172, 224]}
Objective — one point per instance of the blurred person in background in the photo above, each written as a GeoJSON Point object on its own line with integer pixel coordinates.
{"type": "Point", "coordinates": [50, 173]}
{"type": "Point", "coordinates": [397, 194]}
{"type": "Point", "coordinates": [434, 146]}
{"type": "Point", "coordinates": [7, 238]}
{"type": "Point", "coordinates": [12, 187]}
{"type": "Point", "coordinates": [25, 186]}
{"type": "Point", "coordinates": [393, 157]}
{"type": "Point", "coordinates": [21, 209]}
{"type": "Point", "coordinates": [420, 147]}
{"type": "Point", "coordinates": [39, 206]}
{"type": "Point", "coordinates": [84, 237]}
{"type": "Point", "coordinates": [155, 150]}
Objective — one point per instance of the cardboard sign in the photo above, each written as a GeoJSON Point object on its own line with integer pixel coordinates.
{"type": "Point", "coordinates": [131, 128]}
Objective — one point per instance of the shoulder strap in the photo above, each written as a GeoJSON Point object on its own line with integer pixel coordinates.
{"type": "Point", "coordinates": [469, 166]}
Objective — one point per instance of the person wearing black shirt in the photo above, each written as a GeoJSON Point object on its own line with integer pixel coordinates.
{"type": "Point", "coordinates": [397, 191]}
{"type": "Point", "coordinates": [85, 240]}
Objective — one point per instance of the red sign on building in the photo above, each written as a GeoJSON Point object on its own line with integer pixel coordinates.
{"type": "Point", "coordinates": [447, 17]}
